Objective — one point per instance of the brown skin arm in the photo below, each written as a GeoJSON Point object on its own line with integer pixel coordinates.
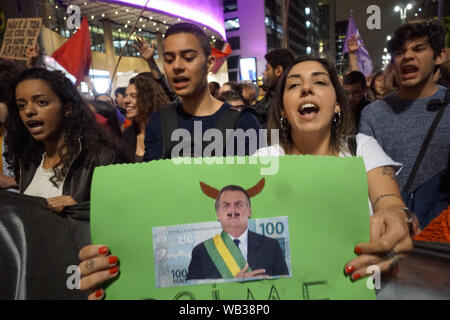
{"type": "Point", "coordinates": [388, 227]}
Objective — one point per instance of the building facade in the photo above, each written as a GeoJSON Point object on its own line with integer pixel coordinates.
{"type": "Point", "coordinates": [254, 27]}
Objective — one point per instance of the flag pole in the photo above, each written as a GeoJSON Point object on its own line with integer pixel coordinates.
{"type": "Point", "coordinates": [123, 49]}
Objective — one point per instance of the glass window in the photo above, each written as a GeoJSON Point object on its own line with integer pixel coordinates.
{"type": "Point", "coordinates": [232, 24]}
{"type": "Point", "coordinates": [233, 76]}
{"type": "Point", "coordinates": [235, 43]}
{"type": "Point", "coordinates": [233, 62]}
{"type": "Point", "coordinates": [230, 5]}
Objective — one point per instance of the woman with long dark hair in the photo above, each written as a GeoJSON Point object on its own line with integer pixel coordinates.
{"type": "Point", "coordinates": [312, 115]}
{"type": "Point", "coordinates": [142, 97]}
{"type": "Point", "coordinates": [54, 142]}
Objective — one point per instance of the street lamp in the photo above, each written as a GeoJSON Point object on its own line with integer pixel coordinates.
{"type": "Point", "coordinates": [403, 11]}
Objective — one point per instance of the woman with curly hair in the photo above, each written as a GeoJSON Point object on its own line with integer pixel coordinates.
{"type": "Point", "coordinates": [9, 70]}
{"type": "Point", "coordinates": [54, 142]}
{"type": "Point", "coordinates": [142, 97]}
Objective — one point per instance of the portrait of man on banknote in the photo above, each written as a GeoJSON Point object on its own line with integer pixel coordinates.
{"type": "Point", "coordinates": [236, 252]}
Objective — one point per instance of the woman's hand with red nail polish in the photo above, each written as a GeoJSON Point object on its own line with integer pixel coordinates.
{"type": "Point", "coordinates": [96, 267]}
{"type": "Point", "coordinates": [390, 241]}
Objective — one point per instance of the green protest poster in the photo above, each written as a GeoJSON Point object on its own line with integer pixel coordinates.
{"type": "Point", "coordinates": [151, 215]}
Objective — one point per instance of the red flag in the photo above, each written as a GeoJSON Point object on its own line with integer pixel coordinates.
{"type": "Point", "coordinates": [220, 56]}
{"type": "Point", "coordinates": [75, 54]}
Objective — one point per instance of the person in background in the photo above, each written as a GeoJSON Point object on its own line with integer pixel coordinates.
{"type": "Point", "coordinates": [53, 141]}
{"type": "Point", "coordinates": [9, 70]}
{"type": "Point", "coordinates": [119, 95]}
{"type": "Point", "coordinates": [108, 111]}
{"type": "Point", "coordinates": [277, 61]}
{"type": "Point", "coordinates": [227, 86]}
{"type": "Point", "coordinates": [119, 100]}
{"type": "Point", "coordinates": [262, 91]}
{"type": "Point", "coordinates": [444, 79]}
{"type": "Point", "coordinates": [233, 98]}
{"type": "Point", "coordinates": [355, 89]}
{"type": "Point", "coordinates": [401, 121]}
{"type": "Point", "coordinates": [214, 89]}
{"type": "Point", "coordinates": [377, 90]}
{"type": "Point", "coordinates": [142, 97]}
{"type": "Point", "coordinates": [249, 93]}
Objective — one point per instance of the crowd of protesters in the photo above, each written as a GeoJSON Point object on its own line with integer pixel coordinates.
{"type": "Point", "coordinates": [52, 138]}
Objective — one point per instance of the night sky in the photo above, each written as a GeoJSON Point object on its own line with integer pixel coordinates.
{"type": "Point", "coordinates": [375, 40]}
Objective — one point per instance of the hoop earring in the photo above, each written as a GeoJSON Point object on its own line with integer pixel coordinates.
{"type": "Point", "coordinates": [337, 119]}
{"type": "Point", "coordinates": [283, 123]}
{"type": "Point", "coordinates": [285, 128]}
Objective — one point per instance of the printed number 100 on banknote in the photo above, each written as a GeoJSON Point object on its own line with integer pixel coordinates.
{"type": "Point", "coordinates": [173, 245]}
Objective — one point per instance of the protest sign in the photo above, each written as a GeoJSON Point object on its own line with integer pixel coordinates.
{"type": "Point", "coordinates": [19, 35]}
{"type": "Point", "coordinates": [319, 204]}
{"type": "Point", "coordinates": [38, 247]}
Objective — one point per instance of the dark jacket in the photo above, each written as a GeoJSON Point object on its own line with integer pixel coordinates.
{"type": "Point", "coordinates": [262, 108]}
{"type": "Point", "coordinates": [78, 179]}
{"type": "Point", "coordinates": [263, 253]}
{"type": "Point", "coordinates": [129, 137]}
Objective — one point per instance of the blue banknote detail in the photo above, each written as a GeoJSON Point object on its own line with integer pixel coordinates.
{"type": "Point", "coordinates": [172, 246]}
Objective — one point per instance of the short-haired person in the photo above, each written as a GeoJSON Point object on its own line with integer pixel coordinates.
{"type": "Point", "coordinates": [232, 98]}
{"type": "Point", "coordinates": [214, 89]}
{"type": "Point", "coordinates": [187, 61]}
{"type": "Point", "coordinates": [119, 95]}
{"type": "Point", "coordinates": [228, 86]}
{"type": "Point", "coordinates": [355, 89]}
{"type": "Point", "coordinates": [260, 254]}
{"type": "Point", "coordinates": [401, 121]}
{"type": "Point", "coordinates": [249, 93]}
{"type": "Point", "coordinates": [277, 61]}
{"type": "Point", "coordinates": [312, 115]}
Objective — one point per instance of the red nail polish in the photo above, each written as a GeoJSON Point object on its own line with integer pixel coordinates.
{"type": "Point", "coordinates": [98, 293]}
{"type": "Point", "coordinates": [112, 259]}
{"type": "Point", "coordinates": [103, 250]}
{"type": "Point", "coordinates": [356, 277]}
{"type": "Point", "coordinates": [114, 270]}
{"type": "Point", "coordinates": [358, 250]}
{"type": "Point", "coordinates": [349, 269]}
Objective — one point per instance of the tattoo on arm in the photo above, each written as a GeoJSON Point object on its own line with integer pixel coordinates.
{"type": "Point", "coordinates": [388, 171]}
{"type": "Point", "coordinates": [90, 265]}
{"type": "Point", "coordinates": [383, 196]}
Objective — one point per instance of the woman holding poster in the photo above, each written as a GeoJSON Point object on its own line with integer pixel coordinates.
{"type": "Point", "coordinates": [313, 117]}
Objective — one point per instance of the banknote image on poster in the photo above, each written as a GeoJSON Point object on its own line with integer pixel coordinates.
{"type": "Point", "coordinates": [202, 253]}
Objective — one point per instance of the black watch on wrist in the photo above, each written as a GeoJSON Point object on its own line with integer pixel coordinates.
{"type": "Point", "coordinates": [412, 221]}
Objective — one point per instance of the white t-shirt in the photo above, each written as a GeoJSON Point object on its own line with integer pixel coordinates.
{"type": "Point", "coordinates": [41, 186]}
{"type": "Point", "coordinates": [366, 147]}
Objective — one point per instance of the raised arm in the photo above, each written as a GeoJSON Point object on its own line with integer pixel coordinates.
{"type": "Point", "coordinates": [147, 52]}
{"type": "Point", "coordinates": [352, 48]}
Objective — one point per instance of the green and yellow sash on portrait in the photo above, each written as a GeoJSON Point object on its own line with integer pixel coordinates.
{"type": "Point", "coordinates": [225, 255]}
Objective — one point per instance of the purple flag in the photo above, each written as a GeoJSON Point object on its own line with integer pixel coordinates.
{"type": "Point", "coordinates": [362, 55]}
